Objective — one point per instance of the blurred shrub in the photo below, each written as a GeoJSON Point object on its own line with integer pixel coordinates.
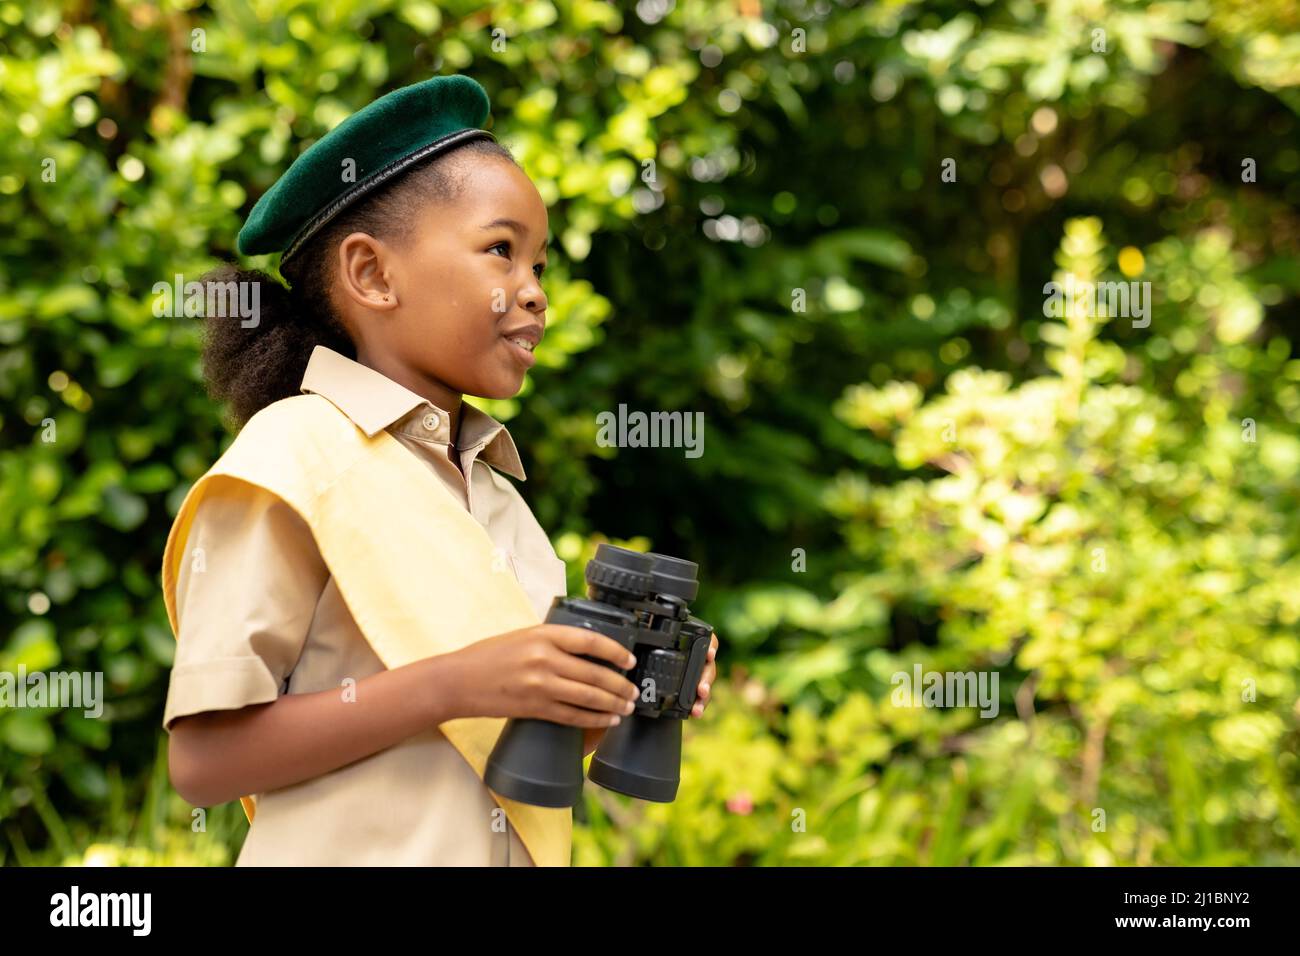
{"type": "Point", "coordinates": [1135, 589]}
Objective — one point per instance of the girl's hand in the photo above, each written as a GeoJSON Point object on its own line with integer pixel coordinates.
{"type": "Point", "coordinates": [591, 738]}
{"type": "Point", "coordinates": [704, 691]}
{"type": "Point", "coordinates": [539, 672]}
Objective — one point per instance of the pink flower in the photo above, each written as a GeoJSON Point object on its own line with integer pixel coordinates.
{"type": "Point", "coordinates": [741, 803]}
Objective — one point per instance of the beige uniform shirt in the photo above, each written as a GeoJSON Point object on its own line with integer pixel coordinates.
{"type": "Point", "coordinates": [263, 617]}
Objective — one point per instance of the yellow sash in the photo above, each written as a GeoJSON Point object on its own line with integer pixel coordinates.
{"type": "Point", "coordinates": [398, 545]}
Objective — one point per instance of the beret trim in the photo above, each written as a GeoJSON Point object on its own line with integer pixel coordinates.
{"type": "Point", "coordinates": [377, 179]}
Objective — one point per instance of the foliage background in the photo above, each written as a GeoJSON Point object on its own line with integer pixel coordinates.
{"type": "Point", "coordinates": [1073, 503]}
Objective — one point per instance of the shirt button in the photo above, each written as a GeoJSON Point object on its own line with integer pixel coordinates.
{"type": "Point", "coordinates": [430, 421]}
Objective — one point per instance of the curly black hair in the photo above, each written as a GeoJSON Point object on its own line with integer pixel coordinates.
{"type": "Point", "coordinates": [249, 368]}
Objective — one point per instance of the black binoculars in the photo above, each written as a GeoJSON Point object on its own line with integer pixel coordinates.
{"type": "Point", "coordinates": [641, 601]}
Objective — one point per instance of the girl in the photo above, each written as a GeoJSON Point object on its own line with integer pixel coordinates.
{"type": "Point", "coordinates": [355, 589]}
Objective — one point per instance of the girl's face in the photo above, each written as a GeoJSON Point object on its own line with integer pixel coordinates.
{"type": "Point", "coordinates": [464, 284]}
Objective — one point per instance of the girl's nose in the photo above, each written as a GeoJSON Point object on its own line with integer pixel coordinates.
{"type": "Point", "coordinates": [532, 298]}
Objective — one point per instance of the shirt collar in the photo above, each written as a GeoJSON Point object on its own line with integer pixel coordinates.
{"type": "Point", "coordinates": [373, 402]}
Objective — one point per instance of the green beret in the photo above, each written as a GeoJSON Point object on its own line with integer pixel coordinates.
{"type": "Point", "coordinates": [385, 138]}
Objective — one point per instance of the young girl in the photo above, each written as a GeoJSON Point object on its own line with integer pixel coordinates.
{"type": "Point", "coordinates": [355, 589]}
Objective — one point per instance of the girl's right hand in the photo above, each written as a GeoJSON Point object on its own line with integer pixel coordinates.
{"type": "Point", "coordinates": [536, 672]}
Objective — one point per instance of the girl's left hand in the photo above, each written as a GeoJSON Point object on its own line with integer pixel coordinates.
{"type": "Point", "coordinates": [707, 676]}
{"type": "Point", "coordinates": [592, 736]}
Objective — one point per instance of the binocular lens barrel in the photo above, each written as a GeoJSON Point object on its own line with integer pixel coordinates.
{"type": "Point", "coordinates": [639, 600]}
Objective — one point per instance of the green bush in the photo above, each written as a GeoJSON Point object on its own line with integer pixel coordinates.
{"type": "Point", "coordinates": [1135, 589]}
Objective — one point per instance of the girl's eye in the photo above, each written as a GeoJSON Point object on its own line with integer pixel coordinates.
{"type": "Point", "coordinates": [537, 269]}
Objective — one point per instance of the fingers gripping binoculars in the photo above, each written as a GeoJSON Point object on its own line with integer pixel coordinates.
{"type": "Point", "coordinates": [641, 601]}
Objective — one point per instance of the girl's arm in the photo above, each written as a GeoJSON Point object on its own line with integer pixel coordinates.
{"type": "Point", "coordinates": [221, 755]}
{"type": "Point", "coordinates": [537, 672]}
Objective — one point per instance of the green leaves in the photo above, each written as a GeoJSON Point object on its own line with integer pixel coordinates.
{"type": "Point", "coordinates": [32, 646]}
{"type": "Point", "coordinates": [835, 251]}
{"type": "Point", "coordinates": [123, 509]}
{"type": "Point", "coordinates": [27, 733]}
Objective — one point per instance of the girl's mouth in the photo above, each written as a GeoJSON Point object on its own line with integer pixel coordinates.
{"type": "Point", "coordinates": [522, 350]}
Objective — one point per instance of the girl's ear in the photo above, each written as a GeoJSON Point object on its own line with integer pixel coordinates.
{"type": "Point", "coordinates": [363, 273]}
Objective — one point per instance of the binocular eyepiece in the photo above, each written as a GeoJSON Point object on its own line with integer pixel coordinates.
{"type": "Point", "coordinates": [642, 602]}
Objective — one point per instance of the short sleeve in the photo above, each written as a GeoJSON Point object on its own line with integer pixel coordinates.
{"type": "Point", "coordinates": [247, 588]}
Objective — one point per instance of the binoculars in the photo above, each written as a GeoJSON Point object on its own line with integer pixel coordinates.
{"type": "Point", "coordinates": [641, 601]}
